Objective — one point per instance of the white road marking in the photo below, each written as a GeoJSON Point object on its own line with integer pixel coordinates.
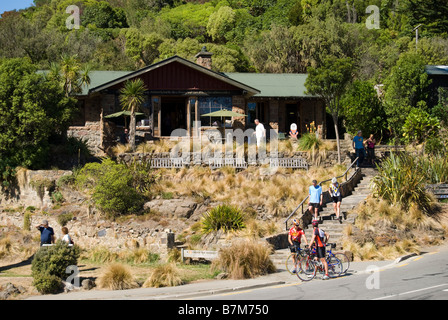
{"type": "Point", "coordinates": [413, 291]}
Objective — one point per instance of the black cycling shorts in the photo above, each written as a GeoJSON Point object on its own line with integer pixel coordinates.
{"type": "Point", "coordinates": [337, 199]}
{"type": "Point", "coordinates": [320, 252]}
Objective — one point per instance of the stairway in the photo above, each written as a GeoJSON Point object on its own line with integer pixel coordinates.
{"type": "Point", "coordinates": [333, 227]}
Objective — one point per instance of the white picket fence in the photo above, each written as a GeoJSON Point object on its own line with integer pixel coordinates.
{"type": "Point", "coordinates": [296, 163]}
{"type": "Point", "coordinates": [237, 163]}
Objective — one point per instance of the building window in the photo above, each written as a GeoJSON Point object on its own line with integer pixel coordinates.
{"type": "Point", "coordinates": [212, 104]}
{"type": "Point", "coordinates": [252, 114]}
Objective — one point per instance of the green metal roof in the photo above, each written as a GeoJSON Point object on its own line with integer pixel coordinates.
{"type": "Point", "coordinates": [98, 78]}
{"type": "Point", "coordinates": [279, 85]}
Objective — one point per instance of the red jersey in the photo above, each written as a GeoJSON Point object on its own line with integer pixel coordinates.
{"type": "Point", "coordinates": [296, 235]}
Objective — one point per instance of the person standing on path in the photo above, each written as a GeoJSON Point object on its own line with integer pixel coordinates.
{"type": "Point", "coordinates": [319, 239]}
{"type": "Point", "coordinates": [260, 133]}
{"type": "Point", "coordinates": [315, 198]}
{"type": "Point", "coordinates": [295, 235]}
{"type": "Point", "coordinates": [46, 233]}
{"type": "Point", "coordinates": [358, 145]}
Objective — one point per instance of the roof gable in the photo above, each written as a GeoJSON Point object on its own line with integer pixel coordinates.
{"type": "Point", "coordinates": [176, 73]}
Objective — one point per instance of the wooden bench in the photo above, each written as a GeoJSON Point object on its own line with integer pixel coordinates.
{"type": "Point", "coordinates": [199, 254]}
{"type": "Point", "coordinates": [440, 191]}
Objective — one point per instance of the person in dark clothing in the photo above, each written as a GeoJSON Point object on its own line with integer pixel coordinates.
{"type": "Point", "coordinates": [46, 233]}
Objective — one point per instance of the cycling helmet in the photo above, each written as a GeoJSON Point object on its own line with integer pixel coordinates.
{"type": "Point", "coordinates": [295, 222]}
{"type": "Point", "coordinates": [315, 223]}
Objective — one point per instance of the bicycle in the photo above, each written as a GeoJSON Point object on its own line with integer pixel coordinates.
{"type": "Point", "coordinates": [298, 254]}
{"type": "Point", "coordinates": [310, 264]}
{"type": "Point", "coordinates": [342, 257]}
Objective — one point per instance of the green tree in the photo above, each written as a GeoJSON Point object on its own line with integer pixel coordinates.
{"type": "Point", "coordinates": [131, 98]}
{"type": "Point", "coordinates": [102, 15]}
{"type": "Point", "coordinates": [329, 82]}
{"type": "Point", "coordinates": [363, 110]}
{"type": "Point", "coordinates": [221, 22]}
{"type": "Point", "coordinates": [405, 89]}
{"type": "Point", "coordinates": [33, 109]}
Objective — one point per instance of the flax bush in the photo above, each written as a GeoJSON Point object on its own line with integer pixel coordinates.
{"type": "Point", "coordinates": [223, 217]}
{"type": "Point", "coordinates": [401, 180]}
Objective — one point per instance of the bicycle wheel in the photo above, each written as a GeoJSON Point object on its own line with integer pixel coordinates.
{"type": "Point", "coordinates": [292, 266]}
{"type": "Point", "coordinates": [334, 267]}
{"type": "Point", "coordinates": [344, 260]}
{"type": "Point", "coordinates": [307, 269]}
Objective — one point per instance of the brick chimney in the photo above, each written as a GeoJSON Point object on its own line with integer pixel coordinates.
{"type": "Point", "coordinates": [204, 58]}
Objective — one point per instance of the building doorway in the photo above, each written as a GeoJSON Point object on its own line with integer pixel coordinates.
{"type": "Point", "coordinates": [174, 115]}
{"type": "Point", "coordinates": [292, 116]}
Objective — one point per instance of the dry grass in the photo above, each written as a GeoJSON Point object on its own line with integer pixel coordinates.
{"type": "Point", "coordinates": [279, 193]}
{"type": "Point", "coordinates": [166, 275]}
{"type": "Point", "coordinates": [384, 231]}
{"type": "Point", "coordinates": [117, 277]}
{"type": "Point", "coordinates": [245, 258]}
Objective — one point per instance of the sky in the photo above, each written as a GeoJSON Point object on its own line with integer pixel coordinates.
{"type": "Point", "coordinates": [8, 5]}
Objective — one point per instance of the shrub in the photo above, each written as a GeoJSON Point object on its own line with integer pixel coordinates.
{"type": "Point", "coordinates": [117, 277]}
{"type": "Point", "coordinates": [54, 260]}
{"type": "Point", "coordinates": [112, 188]}
{"type": "Point", "coordinates": [47, 283]}
{"type": "Point", "coordinates": [64, 218]}
{"type": "Point", "coordinates": [51, 262]}
{"type": "Point", "coordinates": [222, 217]}
{"type": "Point", "coordinates": [57, 197]}
{"type": "Point", "coordinates": [27, 220]}
{"type": "Point", "coordinates": [165, 275]}
{"type": "Point", "coordinates": [244, 259]}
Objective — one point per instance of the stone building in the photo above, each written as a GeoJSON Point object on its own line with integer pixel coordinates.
{"type": "Point", "coordinates": [180, 91]}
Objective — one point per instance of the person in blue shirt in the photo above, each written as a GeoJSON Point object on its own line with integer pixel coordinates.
{"type": "Point", "coordinates": [358, 145]}
{"type": "Point", "coordinates": [315, 198]}
{"type": "Point", "coordinates": [46, 233]}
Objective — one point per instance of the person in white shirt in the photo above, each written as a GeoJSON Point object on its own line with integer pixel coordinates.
{"type": "Point", "coordinates": [66, 238]}
{"type": "Point", "coordinates": [260, 132]}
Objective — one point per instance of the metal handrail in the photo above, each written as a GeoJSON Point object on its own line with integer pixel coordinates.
{"type": "Point", "coordinates": [303, 201]}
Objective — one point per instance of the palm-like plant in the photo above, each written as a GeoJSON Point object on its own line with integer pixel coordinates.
{"type": "Point", "coordinates": [132, 96]}
{"type": "Point", "coordinates": [72, 75]}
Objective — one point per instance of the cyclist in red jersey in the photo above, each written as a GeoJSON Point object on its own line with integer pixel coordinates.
{"type": "Point", "coordinates": [295, 238]}
{"type": "Point", "coordinates": [319, 239]}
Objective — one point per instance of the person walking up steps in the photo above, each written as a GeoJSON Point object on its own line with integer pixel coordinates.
{"type": "Point", "coordinates": [336, 196]}
{"type": "Point", "coordinates": [315, 198]}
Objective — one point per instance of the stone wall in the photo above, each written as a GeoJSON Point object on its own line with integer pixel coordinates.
{"type": "Point", "coordinates": [32, 188]}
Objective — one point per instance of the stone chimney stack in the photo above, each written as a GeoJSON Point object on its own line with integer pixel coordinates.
{"type": "Point", "coordinates": [204, 58]}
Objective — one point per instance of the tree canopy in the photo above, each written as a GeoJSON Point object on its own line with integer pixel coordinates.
{"type": "Point", "coordinates": [280, 36]}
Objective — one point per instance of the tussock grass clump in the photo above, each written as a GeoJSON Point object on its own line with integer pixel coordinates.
{"type": "Point", "coordinates": [166, 275]}
{"type": "Point", "coordinates": [245, 258]}
{"type": "Point", "coordinates": [386, 231]}
{"type": "Point", "coordinates": [117, 277]}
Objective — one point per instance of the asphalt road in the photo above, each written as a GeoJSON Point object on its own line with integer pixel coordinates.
{"type": "Point", "coordinates": [423, 277]}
